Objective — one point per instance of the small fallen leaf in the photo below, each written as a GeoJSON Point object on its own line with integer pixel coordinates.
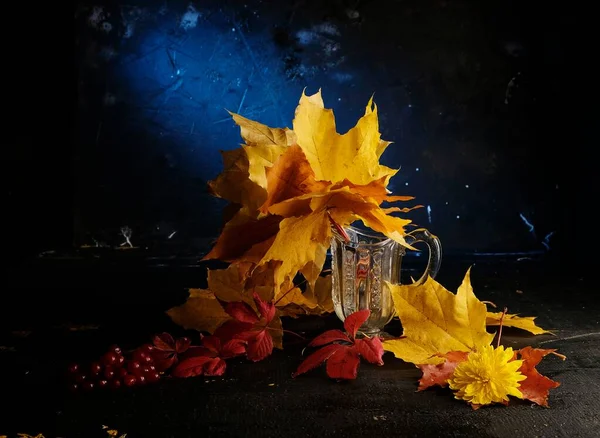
{"type": "Point", "coordinates": [536, 387]}
{"type": "Point", "coordinates": [513, 320]}
{"type": "Point", "coordinates": [438, 374]}
{"type": "Point", "coordinates": [342, 351]}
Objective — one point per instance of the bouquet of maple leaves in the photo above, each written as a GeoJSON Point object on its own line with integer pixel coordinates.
{"type": "Point", "coordinates": [286, 189]}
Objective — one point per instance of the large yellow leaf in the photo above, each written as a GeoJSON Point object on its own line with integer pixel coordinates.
{"type": "Point", "coordinates": [437, 321]}
{"type": "Point", "coordinates": [202, 311]}
{"type": "Point", "coordinates": [234, 184]}
{"type": "Point", "coordinates": [333, 156]}
{"type": "Point", "coordinates": [315, 300]}
{"type": "Point", "coordinates": [296, 243]}
{"type": "Point", "coordinates": [263, 146]}
{"type": "Point", "coordinates": [289, 177]}
{"type": "Point", "coordinates": [240, 235]}
{"type": "Point", "coordinates": [526, 323]}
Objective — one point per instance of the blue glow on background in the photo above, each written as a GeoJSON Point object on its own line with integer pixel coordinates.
{"type": "Point", "coordinates": [159, 81]}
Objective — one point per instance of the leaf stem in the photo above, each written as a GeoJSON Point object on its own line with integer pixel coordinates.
{"type": "Point", "coordinates": [288, 291]}
{"type": "Point", "coordinates": [500, 328]}
{"type": "Point", "coordinates": [287, 331]}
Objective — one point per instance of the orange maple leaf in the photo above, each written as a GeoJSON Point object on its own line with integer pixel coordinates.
{"type": "Point", "coordinates": [536, 387]}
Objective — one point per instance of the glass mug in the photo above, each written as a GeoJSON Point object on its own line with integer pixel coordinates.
{"type": "Point", "coordinates": [361, 267]}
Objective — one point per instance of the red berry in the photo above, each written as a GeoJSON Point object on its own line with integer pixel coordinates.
{"type": "Point", "coordinates": [87, 385]}
{"type": "Point", "coordinates": [130, 380]}
{"type": "Point", "coordinates": [109, 372]}
{"type": "Point", "coordinates": [103, 383]}
{"type": "Point", "coordinates": [73, 368]}
{"type": "Point", "coordinates": [141, 379]}
{"type": "Point", "coordinates": [114, 383]}
{"type": "Point", "coordinates": [120, 361]}
{"type": "Point", "coordinates": [80, 377]}
{"type": "Point", "coordinates": [147, 348]}
{"type": "Point", "coordinates": [95, 368]}
{"type": "Point", "coordinates": [147, 369]}
{"type": "Point", "coordinates": [115, 349]}
{"type": "Point", "coordinates": [110, 358]}
{"type": "Point", "coordinates": [121, 372]}
{"type": "Point", "coordinates": [153, 377]}
{"type": "Point", "coordinates": [73, 387]}
{"type": "Point", "coordinates": [134, 366]}
{"type": "Point", "coordinates": [138, 355]}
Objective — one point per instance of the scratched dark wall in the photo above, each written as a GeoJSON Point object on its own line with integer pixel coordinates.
{"type": "Point", "coordinates": [479, 99]}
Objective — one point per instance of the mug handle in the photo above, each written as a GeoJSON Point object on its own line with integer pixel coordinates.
{"type": "Point", "coordinates": [435, 251]}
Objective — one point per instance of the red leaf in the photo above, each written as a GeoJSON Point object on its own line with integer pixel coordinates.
{"type": "Point", "coordinates": [194, 366]}
{"type": "Point", "coordinates": [260, 345]}
{"type": "Point", "coordinates": [242, 312]}
{"type": "Point", "coordinates": [343, 363]}
{"type": "Point", "coordinates": [353, 322]}
{"type": "Point", "coordinates": [212, 343]}
{"type": "Point", "coordinates": [216, 367]}
{"type": "Point", "coordinates": [266, 310]}
{"type": "Point", "coordinates": [328, 337]}
{"type": "Point", "coordinates": [197, 351]}
{"type": "Point", "coordinates": [440, 373]}
{"type": "Point", "coordinates": [536, 386]}
{"type": "Point", "coordinates": [163, 360]}
{"type": "Point", "coordinates": [164, 342]}
{"type": "Point", "coordinates": [371, 349]}
{"type": "Point", "coordinates": [316, 359]}
{"type": "Point", "coordinates": [230, 329]}
{"type": "Point", "coordinates": [232, 348]}
{"type": "Point", "coordinates": [182, 344]}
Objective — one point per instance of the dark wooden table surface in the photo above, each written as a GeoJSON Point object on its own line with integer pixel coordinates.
{"type": "Point", "coordinates": [57, 310]}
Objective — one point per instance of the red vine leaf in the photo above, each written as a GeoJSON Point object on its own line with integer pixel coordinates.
{"type": "Point", "coordinates": [252, 328]}
{"type": "Point", "coordinates": [242, 312]}
{"type": "Point", "coordinates": [328, 337]}
{"type": "Point", "coordinates": [342, 360]}
{"type": "Point", "coordinates": [353, 322]}
{"type": "Point", "coordinates": [440, 373]}
{"type": "Point", "coordinates": [371, 349]}
{"type": "Point", "coordinates": [166, 350]}
{"type": "Point", "coordinates": [209, 358]}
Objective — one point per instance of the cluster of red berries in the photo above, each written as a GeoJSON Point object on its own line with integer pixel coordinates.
{"type": "Point", "coordinates": [115, 369]}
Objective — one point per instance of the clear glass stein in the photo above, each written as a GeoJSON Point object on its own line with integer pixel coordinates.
{"type": "Point", "coordinates": [361, 267]}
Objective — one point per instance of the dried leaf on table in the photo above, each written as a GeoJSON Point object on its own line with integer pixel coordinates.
{"type": "Point", "coordinates": [536, 386]}
{"type": "Point", "coordinates": [526, 323]}
{"type": "Point", "coordinates": [436, 321]}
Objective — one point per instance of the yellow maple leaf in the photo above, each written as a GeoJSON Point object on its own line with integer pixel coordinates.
{"type": "Point", "coordinates": [234, 183]}
{"type": "Point", "coordinates": [202, 311]}
{"type": "Point", "coordinates": [335, 157]}
{"type": "Point", "coordinates": [263, 146]}
{"type": "Point", "coordinates": [296, 243]}
{"type": "Point", "coordinates": [526, 323]}
{"type": "Point", "coordinates": [437, 321]}
{"type": "Point", "coordinates": [315, 300]}
{"type": "Point", "coordinates": [305, 178]}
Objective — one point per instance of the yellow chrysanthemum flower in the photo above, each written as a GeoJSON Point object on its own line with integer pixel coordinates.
{"type": "Point", "coordinates": [488, 376]}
